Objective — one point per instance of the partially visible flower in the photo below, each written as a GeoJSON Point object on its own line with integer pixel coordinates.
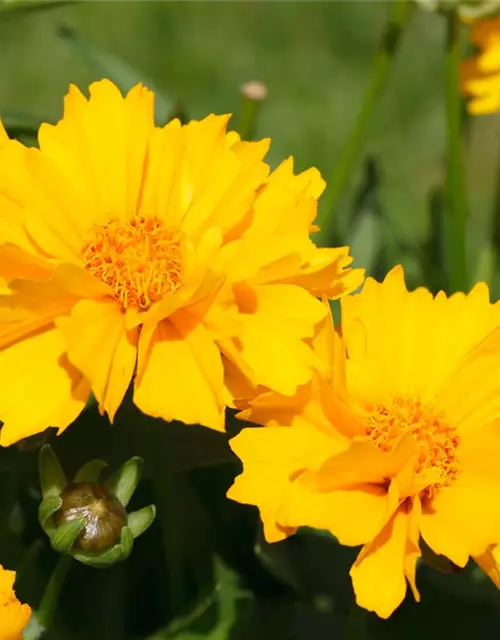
{"type": "Point", "coordinates": [14, 616]}
{"type": "Point", "coordinates": [480, 75]}
{"type": "Point", "coordinates": [398, 441]}
{"type": "Point", "coordinates": [168, 256]}
{"type": "Point", "coordinates": [467, 9]}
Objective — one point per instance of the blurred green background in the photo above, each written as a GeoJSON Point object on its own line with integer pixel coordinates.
{"type": "Point", "coordinates": [315, 58]}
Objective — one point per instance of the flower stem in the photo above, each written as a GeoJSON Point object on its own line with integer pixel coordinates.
{"type": "Point", "coordinates": [456, 192]}
{"type": "Point", "coordinates": [399, 12]}
{"type": "Point", "coordinates": [44, 615]}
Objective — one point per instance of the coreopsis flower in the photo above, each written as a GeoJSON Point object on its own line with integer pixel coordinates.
{"type": "Point", "coordinates": [158, 254]}
{"type": "Point", "coordinates": [398, 442]}
{"type": "Point", "coordinates": [14, 616]}
{"type": "Point", "coordinates": [480, 75]}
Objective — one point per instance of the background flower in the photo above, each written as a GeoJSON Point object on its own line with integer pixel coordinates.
{"type": "Point", "coordinates": [480, 75]}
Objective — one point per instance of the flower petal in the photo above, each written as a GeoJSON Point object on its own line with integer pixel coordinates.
{"type": "Point", "coordinates": [464, 518]}
{"type": "Point", "coordinates": [392, 335]}
{"type": "Point", "coordinates": [100, 146]}
{"type": "Point", "coordinates": [275, 319]}
{"type": "Point", "coordinates": [378, 575]}
{"type": "Point", "coordinates": [39, 388]}
{"type": "Point", "coordinates": [467, 404]}
{"type": "Point", "coordinates": [101, 348]}
{"type": "Point", "coordinates": [271, 456]}
{"type": "Point", "coordinates": [354, 515]}
{"type": "Point", "coordinates": [180, 374]}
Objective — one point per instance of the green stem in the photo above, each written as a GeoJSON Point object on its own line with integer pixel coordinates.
{"type": "Point", "coordinates": [45, 613]}
{"type": "Point", "coordinates": [253, 96]}
{"type": "Point", "coordinates": [399, 12]}
{"type": "Point", "coordinates": [456, 192]}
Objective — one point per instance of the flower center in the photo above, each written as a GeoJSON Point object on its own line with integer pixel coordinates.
{"type": "Point", "coordinates": [140, 259]}
{"type": "Point", "coordinates": [437, 440]}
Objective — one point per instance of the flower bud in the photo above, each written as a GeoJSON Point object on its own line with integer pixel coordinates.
{"type": "Point", "coordinates": [87, 519]}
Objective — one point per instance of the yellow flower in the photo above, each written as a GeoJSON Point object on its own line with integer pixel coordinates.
{"type": "Point", "coordinates": [159, 254]}
{"type": "Point", "coordinates": [397, 441]}
{"type": "Point", "coordinates": [480, 75]}
{"type": "Point", "coordinates": [14, 616]}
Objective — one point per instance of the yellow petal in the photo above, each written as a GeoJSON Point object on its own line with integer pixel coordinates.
{"type": "Point", "coordinates": [489, 562]}
{"type": "Point", "coordinates": [100, 147]}
{"type": "Point", "coordinates": [378, 575]}
{"type": "Point", "coordinates": [181, 374]}
{"type": "Point", "coordinates": [463, 519]}
{"type": "Point", "coordinates": [354, 515]}
{"type": "Point", "coordinates": [98, 328]}
{"type": "Point", "coordinates": [392, 335]}
{"type": "Point", "coordinates": [363, 462]}
{"type": "Point", "coordinates": [467, 404]}
{"type": "Point", "coordinates": [267, 476]}
{"type": "Point", "coordinates": [31, 306]}
{"type": "Point", "coordinates": [274, 320]}
{"type": "Point", "coordinates": [39, 388]}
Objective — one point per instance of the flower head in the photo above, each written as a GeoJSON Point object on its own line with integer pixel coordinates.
{"type": "Point", "coordinates": [14, 616]}
{"type": "Point", "coordinates": [480, 75]}
{"type": "Point", "coordinates": [398, 441]}
{"type": "Point", "coordinates": [170, 256]}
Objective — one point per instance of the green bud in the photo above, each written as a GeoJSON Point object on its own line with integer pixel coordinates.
{"type": "Point", "coordinates": [86, 518]}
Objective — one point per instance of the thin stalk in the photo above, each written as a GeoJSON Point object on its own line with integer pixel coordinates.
{"type": "Point", "coordinates": [253, 94]}
{"type": "Point", "coordinates": [44, 615]}
{"type": "Point", "coordinates": [456, 191]}
{"type": "Point", "coordinates": [399, 13]}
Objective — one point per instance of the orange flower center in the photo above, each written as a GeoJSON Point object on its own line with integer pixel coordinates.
{"type": "Point", "coordinates": [437, 440]}
{"type": "Point", "coordinates": [140, 259]}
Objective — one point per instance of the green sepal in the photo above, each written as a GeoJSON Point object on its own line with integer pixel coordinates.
{"type": "Point", "coordinates": [126, 542]}
{"type": "Point", "coordinates": [139, 521]}
{"type": "Point", "coordinates": [91, 471]}
{"type": "Point", "coordinates": [46, 510]}
{"type": "Point", "coordinates": [124, 482]}
{"type": "Point", "coordinates": [52, 477]}
{"type": "Point", "coordinates": [117, 553]}
{"type": "Point", "coordinates": [63, 538]}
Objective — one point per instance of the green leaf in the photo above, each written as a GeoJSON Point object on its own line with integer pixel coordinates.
{"type": "Point", "coordinates": [91, 471]}
{"type": "Point", "coordinates": [63, 538]}
{"type": "Point", "coordinates": [106, 65]}
{"type": "Point", "coordinates": [124, 482]}
{"type": "Point", "coordinates": [139, 521]}
{"type": "Point", "coordinates": [52, 477]}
